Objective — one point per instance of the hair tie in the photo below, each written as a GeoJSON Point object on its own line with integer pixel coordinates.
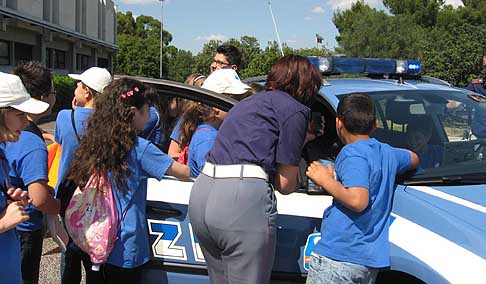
{"type": "Point", "coordinates": [129, 93]}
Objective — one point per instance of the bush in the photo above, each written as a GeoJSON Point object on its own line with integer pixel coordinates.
{"type": "Point", "coordinates": [64, 92]}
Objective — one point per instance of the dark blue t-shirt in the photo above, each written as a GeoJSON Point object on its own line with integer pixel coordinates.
{"type": "Point", "coordinates": [27, 159]}
{"type": "Point", "coordinates": [151, 130]}
{"type": "Point", "coordinates": [64, 135]}
{"type": "Point", "coordinates": [265, 129]}
{"type": "Point", "coordinates": [9, 240]}
{"type": "Point", "coordinates": [362, 238]}
{"type": "Point", "coordinates": [201, 142]}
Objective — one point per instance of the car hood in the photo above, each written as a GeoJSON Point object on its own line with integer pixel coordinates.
{"type": "Point", "coordinates": [467, 203]}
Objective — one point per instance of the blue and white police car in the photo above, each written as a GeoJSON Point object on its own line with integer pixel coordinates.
{"type": "Point", "coordinates": [438, 221]}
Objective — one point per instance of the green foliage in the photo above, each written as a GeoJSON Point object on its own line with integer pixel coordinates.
{"type": "Point", "coordinates": [139, 42]}
{"type": "Point", "coordinates": [449, 42]}
{"type": "Point", "coordinates": [204, 58]}
{"type": "Point", "coordinates": [423, 12]}
{"type": "Point", "coordinates": [367, 32]}
{"type": "Point", "coordinates": [454, 54]}
{"type": "Point", "coordinates": [64, 87]}
{"type": "Point", "coordinates": [262, 62]}
{"type": "Point", "coordinates": [180, 63]}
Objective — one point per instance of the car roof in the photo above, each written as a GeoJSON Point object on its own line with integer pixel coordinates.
{"type": "Point", "coordinates": [333, 87]}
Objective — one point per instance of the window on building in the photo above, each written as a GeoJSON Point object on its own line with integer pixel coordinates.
{"type": "Point", "coordinates": [102, 62]}
{"type": "Point", "coordinates": [49, 58]}
{"type": "Point", "coordinates": [23, 52]}
{"type": "Point", "coordinates": [55, 11]}
{"type": "Point", "coordinates": [78, 16]}
{"type": "Point", "coordinates": [4, 53]}
{"type": "Point", "coordinates": [46, 10]}
{"type": "Point", "coordinates": [59, 59]}
{"type": "Point", "coordinates": [12, 4]}
{"type": "Point", "coordinates": [82, 62]}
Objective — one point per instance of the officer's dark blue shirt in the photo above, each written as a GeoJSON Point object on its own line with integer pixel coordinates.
{"type": "Point", "coordinates": [264, 129]}
{"type": "Point", "coordinates": [478, 125]}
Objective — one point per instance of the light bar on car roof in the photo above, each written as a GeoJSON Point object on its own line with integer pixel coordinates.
{"type": "Point", "coordinates": [355, 65]}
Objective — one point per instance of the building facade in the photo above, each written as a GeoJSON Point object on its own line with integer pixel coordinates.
{"type": "Point", "coordinates": [67, 35]}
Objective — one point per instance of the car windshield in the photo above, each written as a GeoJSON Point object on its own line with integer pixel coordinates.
{"type": "Point", "coordinates": [447, 129]}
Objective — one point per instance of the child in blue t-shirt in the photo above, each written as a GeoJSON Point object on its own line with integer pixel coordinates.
{"type": "Point", "coordinates": [129, 160]}
{"type": "Point", "coordinates": [89, 86]}
{"type": "Point", "coordinates": [198, 133]}
{"type": "Point", "coordinates": [354, 232]}
{"type": "Point", "coordinates": [14, 103]}
{"type": "Point", "coordinates": [27, 158]}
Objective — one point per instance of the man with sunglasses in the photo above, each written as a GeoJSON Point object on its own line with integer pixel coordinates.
{"type": "Point", "coordinates": [226, 57]}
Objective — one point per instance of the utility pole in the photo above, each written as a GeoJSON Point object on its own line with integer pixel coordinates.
{"type": "Point", "coordinates": [276, 30]}
{"type": "Point", "coordinates": [161, 35]}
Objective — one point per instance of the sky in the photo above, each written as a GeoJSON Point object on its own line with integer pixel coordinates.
{"type": "Point", "coordinates": [193, 23]}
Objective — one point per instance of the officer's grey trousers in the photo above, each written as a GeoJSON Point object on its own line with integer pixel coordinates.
{"type": "Point", "coordinates": [234, 220]}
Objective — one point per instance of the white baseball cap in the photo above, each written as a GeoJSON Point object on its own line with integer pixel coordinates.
{"type": "Point", "coordinates": [225, 81]}
{"type": "Point", "coordinates": [13, 94]}
{"type": "Point", "coordinates": [95, 77]}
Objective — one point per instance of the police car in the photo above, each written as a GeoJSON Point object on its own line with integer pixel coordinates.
{"type": "Point", "coordinates": [438, 220]}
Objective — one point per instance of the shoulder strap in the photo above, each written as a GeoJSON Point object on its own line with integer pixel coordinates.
{"type": "Point", "coordinates": [6, 181]}
{"type": "Point", "coordinates": [157, 124]}
{"type": "Point", "coordinates": [32, 128]}
{"type": "Point", "coordinates": [74, 126]}
{"type": "Point", "coordinates": [200, 128]}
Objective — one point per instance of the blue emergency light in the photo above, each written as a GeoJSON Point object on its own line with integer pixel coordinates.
{"type": "Point", "coordinates": [373, 66]}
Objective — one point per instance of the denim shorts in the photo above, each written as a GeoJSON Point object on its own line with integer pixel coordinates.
{"type": "Point", "coordinates": [324, 270]}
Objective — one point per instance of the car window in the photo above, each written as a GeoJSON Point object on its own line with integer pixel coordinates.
{"type": "Point", "coordinates": [445, 128]}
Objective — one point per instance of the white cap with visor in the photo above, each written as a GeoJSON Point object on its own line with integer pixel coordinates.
{"type": "Point", "coordinates": [13, 94]}
{"type": "Point", "coordinates": [95, 77]}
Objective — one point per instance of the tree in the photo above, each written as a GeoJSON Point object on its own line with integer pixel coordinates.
{"type": "Point", "coordinates": [261, 63]}
{"type": "Point", "coordinates": [424, 12]}
{"type": "Point", "coordinates": [455, 54]}
{"type": "Point", "coordinates": [180, 63]}
{"type": "Point", "coordinates": [450, 42]}
{"type": "Point", "coordinates": [139, 42]}
{"type": "Point", "coordinates": [368, 32]}
{"type": "Point", "coordinates": [204, 58]}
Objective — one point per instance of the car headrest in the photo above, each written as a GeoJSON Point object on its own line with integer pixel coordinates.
{"type": "Point", "coordinates": [398, 112]}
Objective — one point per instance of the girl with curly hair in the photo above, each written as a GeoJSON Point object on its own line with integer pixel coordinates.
{"type": "Point", "coordinates": [111, 145]}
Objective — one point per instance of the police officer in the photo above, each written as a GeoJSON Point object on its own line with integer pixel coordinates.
{"type": "Point", "coordinates": [232, 206]}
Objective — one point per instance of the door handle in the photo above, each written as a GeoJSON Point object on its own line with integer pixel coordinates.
{"type": "Point", "coordinates": [165, 212]}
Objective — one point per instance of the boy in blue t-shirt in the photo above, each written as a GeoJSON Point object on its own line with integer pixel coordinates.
{"type": "Point", "coordinates": [354, 232]}
{"type": "Point", "coordinates": [89, 85]}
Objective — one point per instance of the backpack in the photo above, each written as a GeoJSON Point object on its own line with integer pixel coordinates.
{"type": "Point", "coordinates": [92, 218]}
{"type": "Point", "coordinates": [184, 155]}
